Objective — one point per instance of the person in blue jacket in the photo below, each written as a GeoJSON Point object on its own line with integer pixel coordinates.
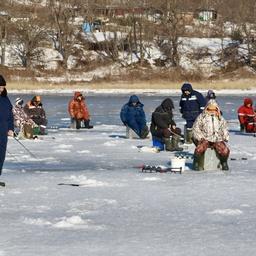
{"type": "Point", "coordinates": [133, 116]}
{"type": "Point", "coordinates": [192, 104]}
{"type": "Point", "coordinates": [6, 120]}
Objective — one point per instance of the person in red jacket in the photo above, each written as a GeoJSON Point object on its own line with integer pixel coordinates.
{"type": "Point", "coordinates": [79, 112]}
{"type": "Point", "coordinates": [247, 116]}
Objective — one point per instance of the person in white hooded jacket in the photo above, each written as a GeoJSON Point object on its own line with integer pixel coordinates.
{"type": "Point", "coordinates": [210, 130]}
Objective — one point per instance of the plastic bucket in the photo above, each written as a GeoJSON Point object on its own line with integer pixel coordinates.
{"type": "Point", "coordinates": [178, 163]}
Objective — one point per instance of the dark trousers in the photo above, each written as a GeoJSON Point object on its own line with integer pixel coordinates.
{"type": "Point", "coordinates": [3, 144]}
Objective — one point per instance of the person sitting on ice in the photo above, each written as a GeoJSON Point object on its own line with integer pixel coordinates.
{"type": "Point", "coordinates": [210, 130]}
{"type": "Point", "coordinates": [35, 111]}
{"type": "Point", "coordinates": [247, 116]}
{"type": "Point", "coordinates": [79, 112]}
{"type": "Point", "coordinates": [133, 116]}
{"type": "Point", "coordinates": [22, 123]}
{"type": "Point", "coordinates": [163, 127]}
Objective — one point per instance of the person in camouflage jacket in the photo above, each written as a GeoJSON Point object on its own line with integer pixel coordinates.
{"type": "Point", "coordinates": [210, 130]}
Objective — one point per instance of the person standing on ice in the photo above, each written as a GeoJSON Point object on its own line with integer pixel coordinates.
{"type": "Point", "coordinates": [210, 130]}
{"type": "Point", "coordinates": [210, 96]}
{"type": "Point", "coordinates": [35, 111]}
{"type": "Point", "coordinates": [192, 103]}
{"type": "Point", "coordinates": [79, 112]}
{"type": "Point", "coordinates": [132, 115]}
{"type": "Point", "coordinates": [23, 124]}
{"type": "Point", "coordinates": [163, 127]}
{"type": "Point", "coordinates": [6, 120]}
{"type": "Point", "coordinates": [247, 116]}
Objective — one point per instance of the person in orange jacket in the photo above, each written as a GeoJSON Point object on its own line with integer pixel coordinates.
{"type": "Point", "coordinates": [247, 116]}
{"type": "Point", "coordinates": [79, 112]}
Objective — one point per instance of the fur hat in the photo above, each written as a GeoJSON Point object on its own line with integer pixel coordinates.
{"type": "Point", "coordinates": [19, 101]}
{"type": "Point", "coordinates": [2, 81]}
{"type": "Point", "coordinates": [213, 107]}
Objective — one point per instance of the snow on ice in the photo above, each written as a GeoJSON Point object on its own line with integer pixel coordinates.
{"type": "Point", "coordinates": [115, 209]}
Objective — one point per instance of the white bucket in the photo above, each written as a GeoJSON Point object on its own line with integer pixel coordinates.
{"type": "Point", "coordinates": [178, 163]}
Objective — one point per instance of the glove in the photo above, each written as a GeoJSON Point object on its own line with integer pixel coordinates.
{"type": "Point", "coordinates": [242, 127]}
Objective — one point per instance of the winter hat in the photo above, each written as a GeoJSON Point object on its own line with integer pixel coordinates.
{"type": "Point", "coordinates": [213, 108]}
{"type": "Point", "coordinates": [211, 94]}
{"type": "Point", "coordinates": [187, 87]}
{"type": "Point", "coordinates": [2, 81]}
{"type": "Point", "coordinates": [167, 104]}
{"type": "Point", "coordinates": [36, 99]}
{"type": "Point", "coordinates": [19, 101]}
{"type": "Point", "coordinates": [248, 101]}
{"type": "Point", "coordinates": [134, 99]}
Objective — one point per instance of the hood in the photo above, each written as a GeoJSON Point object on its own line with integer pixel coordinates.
{"type": "Point", "coordinates": [76, 94]}
{"type": "Point", "coordinates": [167, 104]}
{"type": "Point", "coordinates": [187, 87]}
{"type": "Point", "coordinates": [212, 107]}
{"type": "Point", "coordinates": [211, 94]}
{"type": "Point", "coordinates": [134, 99]}
{"type": "Point", "coordinates": [248, 101]}
{"type": "Point", "coordinates": [2, 81]}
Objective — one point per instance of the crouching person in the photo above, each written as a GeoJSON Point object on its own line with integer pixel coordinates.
{"type": "Point", "coordinates": [163, 127]}
{"type": "Point", "coordinates": [210, 131]}
{"type": "Point", "coordinates": [23, 124]}
{"type": "Point", "coordinates": [79, 112]}
{"type": "Point", "coordinates": [35, 111]}
{"type": "Point", "coordinates": [133, 116]}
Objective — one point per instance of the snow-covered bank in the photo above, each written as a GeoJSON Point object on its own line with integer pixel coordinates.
{"type": "Point", "coordinates": [160, 92]}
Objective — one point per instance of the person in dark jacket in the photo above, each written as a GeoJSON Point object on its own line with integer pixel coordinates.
{"type": "Point", "coordinates": [192, 104]}
{"type": "Point", "coordinates": [6, 120]}
{"type": "Point", "coordinates": [35, 111]}
{"type": "Point", "coordinates": [163, 127]}
{"type": "Point", "coordinates": [210, 96]}
{"type": "Point", "coordinates": [133, 115]}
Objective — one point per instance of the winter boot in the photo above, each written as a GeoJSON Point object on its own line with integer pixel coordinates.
{"type": "Point", "coordinates": [144, 132]}
{"type": "Point", "coordinates": [87, 124]}
{"type": "Point", "coordinates": [78, 124]}
{"type": "Point", "coordinates": [175, 143]}
{"type": "Point", "coordinates": [198, 163]}
{"type": "Point", "coordinates": [224, 163]}
{"type": "Point", "coordinates": [168, 144]}
{"type": "Point", "coordinates": [188, 136]}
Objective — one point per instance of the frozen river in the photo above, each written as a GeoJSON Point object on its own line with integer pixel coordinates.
{"type": "Point", "coordinates": [117, 210]}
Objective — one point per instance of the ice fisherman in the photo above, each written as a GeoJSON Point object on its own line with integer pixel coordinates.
{"type": "Point", "coordinates": [132, 115]}
{"type": "Point", "coordinates": [6, 120]}
{"type": "Point", "coordinates": [35, 111]}
{"type": "Point", "coordinates": [210, 130]}
{"type": "Point", "coordinates": [163, 127]}
{"type": "Point", "coordinates": [79, 112]}
{"type": "Point", "coordinates": [23, 124]}
{"type": "Point", "coordinates": [247, 116]}
{"type": "Point", "coordinates": [192, 103]}
{"type": "Point", "coordinates": [210, 96]}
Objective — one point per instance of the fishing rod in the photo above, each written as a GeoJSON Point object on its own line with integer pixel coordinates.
{"type": "Point", "coordinates": [25, 148]}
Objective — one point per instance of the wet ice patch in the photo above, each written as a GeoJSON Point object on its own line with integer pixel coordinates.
{"type": "Point", "coordinates": [36, 222]}
{"type": "Point", "coordinates": [64, 146]}
{"type": "Point", "coordinates": [227, 212]}
{"type": "Point", "coordinates": [85, 182]}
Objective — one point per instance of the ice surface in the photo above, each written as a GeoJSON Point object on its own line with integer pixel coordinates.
{"type": "Point", "coordinates": [116, 209]}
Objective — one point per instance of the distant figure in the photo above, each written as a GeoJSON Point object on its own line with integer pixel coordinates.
{"type": "Point", "coordinates": [192, 103]}
{"type": "Point", "coordinates": [247, 116]}
{"type": "Point", "coordinates": [34, 110]}
{"type": "Point", "coordinates": [133, 116]}
{"type": "Point", "coordinates": [210, 130]}
{"type": "Point", "coordinates": [6, 120]}
{"type": "Point", "coordinates": [210, 96]}
{"type": "Point", "coordinates": [79, 112]}
{"type": "Point", "coordinates": [22, 122]}
{"type": "Point", "coordinates": [163, 127]}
